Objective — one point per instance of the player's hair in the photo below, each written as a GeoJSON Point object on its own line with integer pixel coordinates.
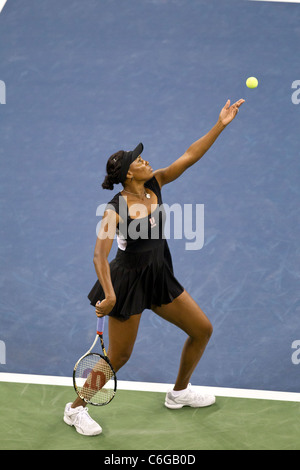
{"type": "Point", "coordinates": [113, 170]}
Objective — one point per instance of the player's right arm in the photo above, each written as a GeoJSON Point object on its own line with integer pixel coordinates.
{"type": "Point", "coordinates": [105, 238]}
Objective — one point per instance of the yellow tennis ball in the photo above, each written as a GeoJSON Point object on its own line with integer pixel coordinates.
{"type": "Point", "coordinates": [252, 82]}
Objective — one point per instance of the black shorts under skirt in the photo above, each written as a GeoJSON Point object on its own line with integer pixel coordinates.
{"type": "Point", "coordinates": [140, 280]}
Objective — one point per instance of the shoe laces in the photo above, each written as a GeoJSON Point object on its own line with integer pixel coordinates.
{"type": "Point", "coordinates": [83, 415]}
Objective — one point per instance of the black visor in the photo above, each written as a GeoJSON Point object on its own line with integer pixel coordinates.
{"type": "Point", "coordinates": [127, 159]}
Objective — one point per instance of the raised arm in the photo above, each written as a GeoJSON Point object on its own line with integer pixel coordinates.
{"type": "Point", "coordinates": [200, 147]}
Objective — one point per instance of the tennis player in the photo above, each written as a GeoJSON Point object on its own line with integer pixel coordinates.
{"type": "Point", "coordinates": [141, 275]}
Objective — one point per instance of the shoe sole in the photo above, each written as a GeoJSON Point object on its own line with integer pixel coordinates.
{"type": "Point", "coordinates": [69, 423]}
{"type": "Point", "coordinates": [177, 406]}
{"type": "Point", "coordinates": [174, 407]}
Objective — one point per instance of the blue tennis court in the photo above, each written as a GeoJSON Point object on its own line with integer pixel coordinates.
{"type": "Point", "coordinates": [80, 80]}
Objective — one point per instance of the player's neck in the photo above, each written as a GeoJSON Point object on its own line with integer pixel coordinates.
{"type": "Point", "coordinates": [135, 188]}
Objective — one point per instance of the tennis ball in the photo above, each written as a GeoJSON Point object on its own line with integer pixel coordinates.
{"type": "Point", "coordinates": [252, 82]}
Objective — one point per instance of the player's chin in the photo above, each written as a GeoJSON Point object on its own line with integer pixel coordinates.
{"type": "Point", "coordinates": [149, 175]}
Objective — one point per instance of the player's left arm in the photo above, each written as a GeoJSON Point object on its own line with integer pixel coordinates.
{"type": "Point", "coordinates": [200, 147]}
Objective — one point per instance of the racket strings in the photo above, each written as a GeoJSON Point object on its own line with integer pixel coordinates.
{"type": "Point", "coordinates": [94, 379]}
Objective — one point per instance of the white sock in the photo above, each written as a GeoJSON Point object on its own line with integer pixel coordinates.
{"type": "Point", "coordinates": [177, 393]}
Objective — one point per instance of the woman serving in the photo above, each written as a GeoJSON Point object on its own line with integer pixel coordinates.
{"type": "Point", "coordinates": [141, 275]}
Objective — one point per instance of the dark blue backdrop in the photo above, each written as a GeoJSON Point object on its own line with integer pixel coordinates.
{"type": "Point", "coordinates": [84, 79]}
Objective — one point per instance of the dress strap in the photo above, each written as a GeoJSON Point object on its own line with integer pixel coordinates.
{"type": "Point", "coordinates": [154, 186]}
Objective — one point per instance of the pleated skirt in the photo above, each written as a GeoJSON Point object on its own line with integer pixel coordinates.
{"type": "Point", "coordinates": [140, 280]}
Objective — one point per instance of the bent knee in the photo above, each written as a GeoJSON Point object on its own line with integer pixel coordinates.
{"type": "Point", "coordinates": [203, 331]}
{"type": "Point", "coordinates": [120, 359]}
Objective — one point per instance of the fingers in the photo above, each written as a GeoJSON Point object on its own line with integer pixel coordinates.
{"type": "Point", "coordinates": [239, 103]}
{"type": "Point", "coordinates": [228, 113]}
{"type": "Point", "coordinates": [235, 106]}
{"type": "Point", "coordinates": [99, 312]}
{"type": "Point", "coordinates": [105, 307]}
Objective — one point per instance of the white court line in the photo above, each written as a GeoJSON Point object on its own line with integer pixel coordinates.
{"type": "Point", "coordinates": [155, 387]}
{"type": "Point", "coordinates": [2, 3]}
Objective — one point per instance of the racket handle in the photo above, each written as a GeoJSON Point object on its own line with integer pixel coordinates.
{"type": "Point", "coordinates": [100, 325]}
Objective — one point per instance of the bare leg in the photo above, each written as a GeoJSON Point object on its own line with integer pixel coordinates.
{"type": "Point", "coordinates": [122, 336]}
{"type": "Point", "coordinates": [187, 315]}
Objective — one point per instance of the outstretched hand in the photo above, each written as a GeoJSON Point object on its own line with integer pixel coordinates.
{"type": "Point", "coordinates": [228, 113]}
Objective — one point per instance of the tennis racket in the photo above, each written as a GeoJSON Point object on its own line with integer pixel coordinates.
{"type": "Point", "coordinates": [94, 379]}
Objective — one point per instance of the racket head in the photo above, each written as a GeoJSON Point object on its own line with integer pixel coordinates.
{"type": "Point", "coordinates": [94, 379]}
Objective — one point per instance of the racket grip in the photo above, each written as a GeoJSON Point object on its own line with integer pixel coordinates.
{"type": "Point", "coordinates": [100, 325]}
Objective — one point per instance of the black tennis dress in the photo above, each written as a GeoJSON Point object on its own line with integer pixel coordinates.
{"type": "Point", "coordinates": [142, 271]}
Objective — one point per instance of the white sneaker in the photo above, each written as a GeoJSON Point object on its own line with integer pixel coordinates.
{"type": "Point", "coordinates": [188, 397]}
{"type": "Point", "coordinates": [81, 420]}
